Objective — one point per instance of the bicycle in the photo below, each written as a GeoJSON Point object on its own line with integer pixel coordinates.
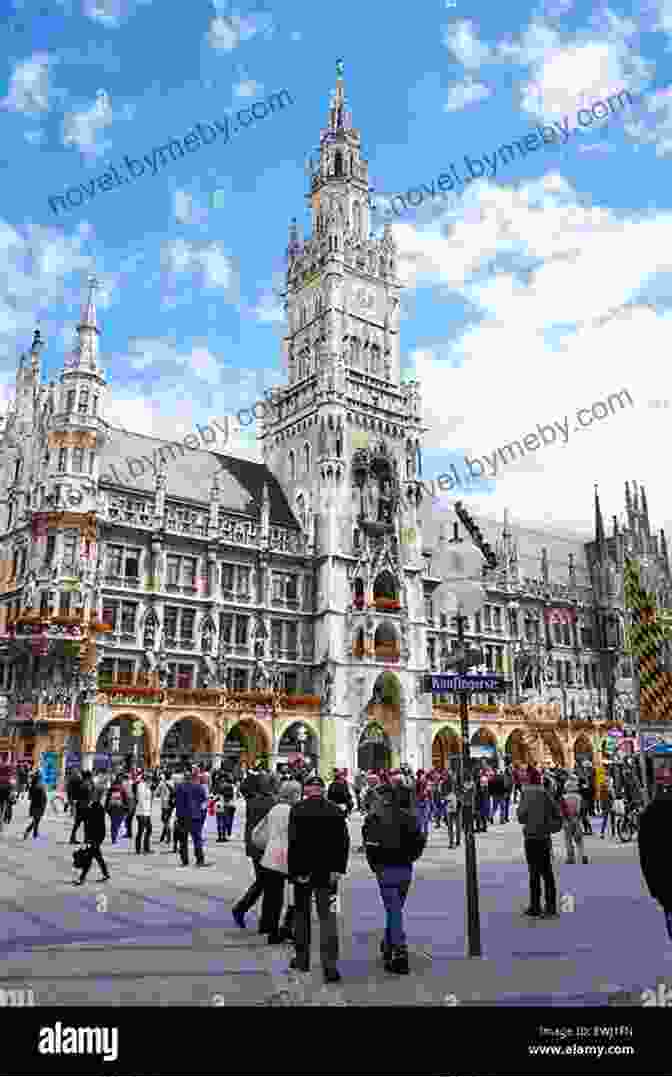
{"type": "Point", "coordinates": [628, 824]}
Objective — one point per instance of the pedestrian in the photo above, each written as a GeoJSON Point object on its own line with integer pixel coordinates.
{"type": "Point", "coordinates": [586, 791]}
{"type": "Point", "coordinates": [258, 805]}
{"type": "Point", "coordinates": [373, 785]}
{"type": "Point", "coordinates": [541, 818]}
{"type": "Point", "coordinates": [507, 787]}
{"type": "Point", "coordinates": [339, 793]}
{"type": "Point", "coordinates": [274, 828]}
{"type": "Point", "coordinates": [94, 836]}
{"type": "Point", "coordinates": [607, 797]}
{"type": "Point", "coordinates": [190, 795]}
{"type": "Point", "coordinates": [143, 795]}
{"type": "Point", "coordinates": [82, 793]}
{"type": "Point", "coordinates": [116, 806]}
{"type": "Point", "coordinates": [570, 810]}
{"type": "Point", "coordinates": [423, 801]}
{"type": "Point", "coordinates": [317, 856]}
{"type": "Point", "coordinates": [129, 790]}
{"type": "Point", "coordinates": [360, 786]}
{"type": "Point", "coordinates": [655, 827]}
{"type": "Point", "coordinates": [453, 819]}
{"type": "Point", "coordinates": [406, 792]}
{"type": "Point", "coordinates": [166, 794]}
{"type": "Point", "coordinates": [38, 806]}
{"type": "Point", "coordinates": [225, 808]}
{"type": "Point", "coordinates": [394, 840]}
{"type": "Point", "coordinates": [496, 792]}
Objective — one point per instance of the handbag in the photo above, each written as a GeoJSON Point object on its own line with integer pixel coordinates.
{"type": "Point", "coordinates": [80, 857]}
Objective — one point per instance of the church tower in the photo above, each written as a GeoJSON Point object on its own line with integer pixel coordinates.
{"type": "Point", "coordinates": [344, 441]}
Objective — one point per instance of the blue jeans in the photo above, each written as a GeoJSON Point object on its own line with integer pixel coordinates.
{"type": "Point", "coordinates": [116, 819]}
{"type": "Point", "coordinates": [394, 882]}
{"type": "Point", "coordinates": [423, 812]}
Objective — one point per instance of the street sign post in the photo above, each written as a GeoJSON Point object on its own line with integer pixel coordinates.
{"type": "Point", "coordinates": [440, 683]}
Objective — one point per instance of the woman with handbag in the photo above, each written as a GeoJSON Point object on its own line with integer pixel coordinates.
{"type": "Point", "coordinates": [272, 834]}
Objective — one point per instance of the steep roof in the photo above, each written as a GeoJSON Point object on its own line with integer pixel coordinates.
{"type": "Point", "coordinates": [189, 474]}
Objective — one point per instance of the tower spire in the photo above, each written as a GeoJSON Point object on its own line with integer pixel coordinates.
{"type": "Point", "coordinates": [599, 522]}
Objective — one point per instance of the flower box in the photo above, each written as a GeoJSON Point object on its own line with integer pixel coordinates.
{"type": "Point", "coordinates": [302, 701]}
{"type": "Point", "coordinates": [100, 626]}
{"type": "Point", "coordinates": [67, 619]}
{"type": "Point", "coordinates": [387, 603]}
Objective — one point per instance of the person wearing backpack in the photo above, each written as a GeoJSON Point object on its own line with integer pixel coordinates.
{"type": "Point", "coordinates": [541, 818]}
{"type": "Point", "coordinates": [570, 809]}
{"type": "Point", "coordinates": [394, 839]}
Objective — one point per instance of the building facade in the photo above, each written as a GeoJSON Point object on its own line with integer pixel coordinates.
{"type": "Point", "coordinates": [228, 609]}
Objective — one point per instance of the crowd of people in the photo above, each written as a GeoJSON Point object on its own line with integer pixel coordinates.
{"type": "Point", "coordinates": [298, 841]}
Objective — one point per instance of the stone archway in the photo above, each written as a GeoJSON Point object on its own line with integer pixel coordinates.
{"type": "Point", "coordinates": [374, 751]}
{"type": "Point", "coordinates": [116, 745]}
{"type": "Point", "coordinates": [290, 742]}
{"type": "Point", "coordinates": [446, 749]}
{"type": "Point", "coordinates": [187, 739]}
{"type": "Point", "coordinates": [247, 742]}
{"type": "Point", "coordinates": [485, 738]}
{"type": "Point", "coordinates": [582, 750]}
{"type": "Point", "coordinates": [554, 747]}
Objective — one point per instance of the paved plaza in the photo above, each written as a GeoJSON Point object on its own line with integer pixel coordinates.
{"type": "Point", "coordinates": [159, 934]}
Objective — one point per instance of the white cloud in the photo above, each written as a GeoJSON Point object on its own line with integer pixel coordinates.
{"type": "Point", "coordinates": [465, 94]}
{"type": "Point", "coordinates": [29, 88]}
{"type": "Point", "coordinates": [207, 261]}
{"type": "Point", "coordinates": [226, 32]}
{"type": "Point", "coordinates": [462, 41]}
{"type": "Point", "coordinates": [111, 13]}
{"type": "Point", "coordinates": [247, 88]}
{"type": "Point", "coordinates": [82, 129]}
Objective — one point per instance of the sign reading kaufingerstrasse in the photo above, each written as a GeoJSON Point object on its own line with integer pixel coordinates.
{"type": "Point", "coordinates": [438, 683]}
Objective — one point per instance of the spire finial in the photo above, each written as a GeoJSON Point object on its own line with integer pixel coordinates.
{"type": "Point", "coordinates": [339, 69]}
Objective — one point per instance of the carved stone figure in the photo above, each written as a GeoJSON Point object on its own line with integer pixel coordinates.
{"type": "Point", "coordinates": [328, 690]}
{"type": "Point", "coordinates": [29, 592]}
{"type": "Point", "coordinates": [207, 639]}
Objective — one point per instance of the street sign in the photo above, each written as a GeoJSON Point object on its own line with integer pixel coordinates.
{"type": "Point", "coordinates": [137, 729]}
{"type": "Point", "coordinates": [439, 683]}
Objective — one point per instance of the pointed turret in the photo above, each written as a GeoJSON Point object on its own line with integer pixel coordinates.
{"type": "Point", "coordinates": [599, 524]}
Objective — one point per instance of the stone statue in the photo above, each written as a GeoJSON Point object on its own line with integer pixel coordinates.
{"type": "Point", "coordinates": [261, 677]}
{"type": "Point", "coordinates": [163, 669]}
{"type": "Point", "coordinates": [29, 592]}
{"type": "Point", "coordinates": [207, 639]}
{"type": "Point", "coordinates": [328, 690]}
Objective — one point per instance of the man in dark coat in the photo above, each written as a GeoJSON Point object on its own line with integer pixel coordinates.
{"type": "Point", "coordinates": [260, 800]}
{"type": "Point", "coordinates": [339, 793]}
{"type": "Point", "coordinates": [38, 806]}
{"type": "Point", "coordinates": [655, 827]}
{"type": "Point", "coordinates": [94, 836]}
{"type": "Point", "coordinates": [190, 798]}
{"type": "Point", "coordinates": [82, 793]}
{"type": "Point", "coordinates": [318, 848]}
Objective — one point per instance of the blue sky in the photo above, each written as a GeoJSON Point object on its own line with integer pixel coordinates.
{"type": "Point", "coordinates": [538, 292]}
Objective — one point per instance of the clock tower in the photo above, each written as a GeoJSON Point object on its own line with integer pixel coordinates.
{"type": "Point", "coordinates": [344, 441]}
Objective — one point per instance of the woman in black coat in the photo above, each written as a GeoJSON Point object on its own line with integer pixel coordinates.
{"type": "Point", "coordinates": [94, 836]}
{"type": "Point", "coordinates": [655, 827]}
{"type": "Point", "coordinates": [38, 806]}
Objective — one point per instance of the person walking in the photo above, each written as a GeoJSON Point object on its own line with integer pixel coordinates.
{"type": "Point", "coordinates": [570, 810]}
{"type": "Point", "coordinates": [423, 801]}
{"type": "Point", "coordinates": [655, 827]}
{"type": "Point", "coordinates": [72, 783]}
{"type": "Point", "coordinates": [496, 793]}
{"type": "Point", "coordinates": [273, 864]}
{"type": "Point", "coordinates": [360, 786]}
{"type": "Point", "coordinates": [225, 808]}
{"type": "Point", "coordinates": [507, 788]}
{"type": "Point", "coordinates": [586, 791]}
{"type": "Point", "coordinates": [82, 793]}
{"type": "Point", "coordinates": [453, 819]}
{"type": "Point", "coordinates": [540, 817]}
{"type": "Point", "coordinates": [144, 798]}
{"type": "Point", "coordinates": [369, 795]}
{"type": "Point", "coordinates": [116, 806]}
{"type": "Point", "coordinates": [94, 836]}
{"type": "Point", "coordinates": [190, 795]}
{"type": "Point", "coordinates": [257, 807]}
{"type": "Point", "coordinates": [607, 797]}
{"type": "Point", "coordinates": [317, 856]}
{"type": "Point", "coordinates": [129, 790]}
{"type": "Point", "coordinates": [38, 806]}
{"type": "Point", "coordinates": [339, 793]}
{"type": "Point", "coordinates": [394, 840]}
{"type": "Point", "coordinates": [166, 794]}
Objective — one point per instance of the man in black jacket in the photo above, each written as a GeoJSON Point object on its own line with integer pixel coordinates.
{"type": "Point", "coordinates": [318, 848]}
{"type": "Point", "coordinates": [38, 805]}
{"type": "Point", "coordinates": [655, 826]}
{"type": "Point", "coordinates": [393, 840]}
{"type": "Point", "coordinates": [256, 809]}
{"type": "Point", "coordinates": [339, 793]}
{"type": "Point", "coordinates": [94, 835]}
{"type": "Point", "coordinates": [82, 794]}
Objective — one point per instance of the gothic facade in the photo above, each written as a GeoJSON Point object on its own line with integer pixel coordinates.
{"type": "Point", "coordinates": [226, 607]}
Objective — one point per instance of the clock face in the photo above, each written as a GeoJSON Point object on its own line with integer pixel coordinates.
{"type": "Point", "coordinates": [366, 300]}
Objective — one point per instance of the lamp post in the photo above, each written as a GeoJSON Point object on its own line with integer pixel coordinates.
{"type": "Point", "coordinates": [467, 599]}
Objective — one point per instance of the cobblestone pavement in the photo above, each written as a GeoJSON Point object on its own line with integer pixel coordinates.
{"type": "Point", "coordinates": [157, 933]}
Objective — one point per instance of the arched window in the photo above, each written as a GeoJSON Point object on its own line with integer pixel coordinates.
{"type": "Point", "coordinates": [338, 163]}
{"type": "Point", "coordinates": [301, 509]}
{"type": "Point", "coordinates": [292, 465]}
{"type": "Point", "coordinates": [306, 458]}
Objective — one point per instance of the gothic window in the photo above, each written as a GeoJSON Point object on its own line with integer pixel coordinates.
{"type": "Point", "coordinates": [306, 459]}
{"type": "Point", "coordinates": [78, 460]}
{"type": "Point", "coordinates": [354, 352]}
{"type": "Point", "coordinates": [62, 459]}
{"type": "Point", "coordinates": [357, 218]}
{"type": "Point", "coordinates": [292, 465]}
{"type": "Point", "coordinates": [83, 402]}
{"type": "Point", "coordinates": [301, 509]}
{"type": "Point", "coordinates": [338, 163]}
{"type": "Point", "coordinates": [70, 400]}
